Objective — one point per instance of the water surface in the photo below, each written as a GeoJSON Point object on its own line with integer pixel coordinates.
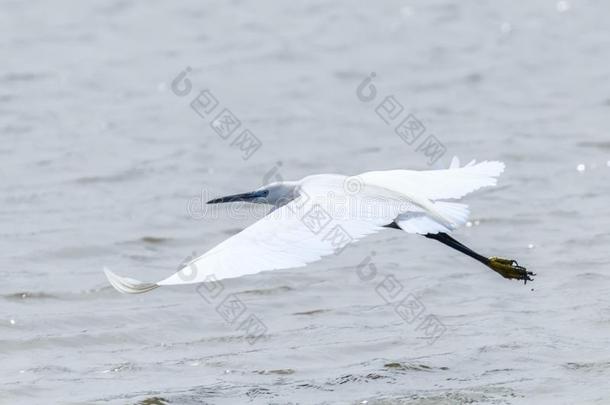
{"type": "Point", "coordinates": [102, 165]}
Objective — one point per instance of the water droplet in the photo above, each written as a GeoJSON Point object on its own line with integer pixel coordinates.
{"type": "Point", "coordinates": [12, 321]}
{"type": "Point", "coordinates": [468, 224]}
{"type": "Point", "coordinates": [530, 246]}
{"type": "Point", "coordinates": [608, 163]}
{"type": "Point", "coordinates": [477, 222]}
{"type": "Point", "coordinates": [563, 6]}
{"type": "Point", "coordinates": [581, 167]}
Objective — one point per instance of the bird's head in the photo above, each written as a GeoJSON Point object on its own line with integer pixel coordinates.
{"type": "Point", "coordinates": [277, 193]}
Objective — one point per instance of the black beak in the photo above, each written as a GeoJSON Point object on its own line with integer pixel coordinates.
{"type": "Point", "coordinates": [240, 197]}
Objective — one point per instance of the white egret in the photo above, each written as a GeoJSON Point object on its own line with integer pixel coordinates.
{"type": "Point", "coordinates": [320, 214]}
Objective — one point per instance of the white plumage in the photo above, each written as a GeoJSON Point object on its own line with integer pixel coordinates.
{"type": "Point", "coordinates": [351, 207]}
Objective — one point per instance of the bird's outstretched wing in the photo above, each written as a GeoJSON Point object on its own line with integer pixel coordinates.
{"type": "Point", "coordinates": [434, 186]}
{"type": "Point", "coordinates": [452, 183]}
{"type": "Point", "coordinates": [303, 231]}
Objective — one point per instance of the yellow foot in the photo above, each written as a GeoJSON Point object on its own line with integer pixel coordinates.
{"type": "Point", "coordinates": [510, 269]}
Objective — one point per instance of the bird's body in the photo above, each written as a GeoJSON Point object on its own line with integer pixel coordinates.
{"type": "Point", "coordinates": [320, 214]}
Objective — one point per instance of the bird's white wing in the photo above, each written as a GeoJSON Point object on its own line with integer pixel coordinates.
{"type": "Point", "coordinates": [417, 221]}
{"type": "Point", "coordinates": [300, 232]}
{"type": "Point", "coordinates": [451, 183]}
{"type": "Point", "coordinates": [433, 186]}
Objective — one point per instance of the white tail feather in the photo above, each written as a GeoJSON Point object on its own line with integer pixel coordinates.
{"type": "Point", "coordinates": [127, 285]}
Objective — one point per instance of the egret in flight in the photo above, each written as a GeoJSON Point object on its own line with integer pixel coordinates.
{"type": "Point", "coordinates": [321, 214]}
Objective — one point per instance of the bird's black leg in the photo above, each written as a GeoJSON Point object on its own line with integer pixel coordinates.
{"type": "Point", "coordinates": [507, 268]}
{"type": "Point", "coordinates": [449, 241]}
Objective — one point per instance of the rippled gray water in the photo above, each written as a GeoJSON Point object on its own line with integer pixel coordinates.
{"type": "Point", "coordinates": [102, 165]}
